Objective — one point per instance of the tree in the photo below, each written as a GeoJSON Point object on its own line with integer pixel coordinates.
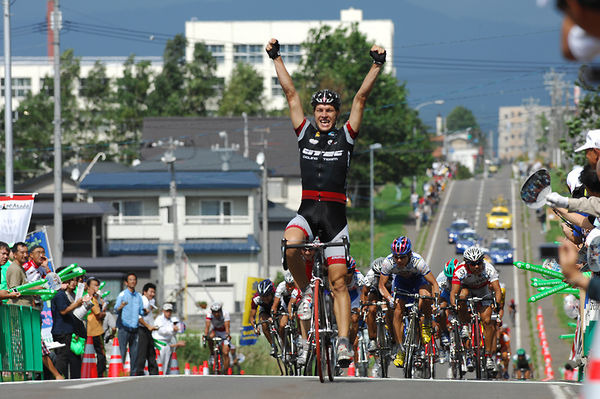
{"type": "Point", "coordinates": [339, 59]}
{"type": "Point", "coordinates": [168, 94]}
{"type": "Point", "coordinates": [243, 92]}
{"type": "Point", "coordinates": [200, 81]}
{"type": "Point", "coordinates": [461, 118]}
{"type": "Point", "coordinates": [130, 100]}
{"type": "Point", "coordinates": [585, 118]}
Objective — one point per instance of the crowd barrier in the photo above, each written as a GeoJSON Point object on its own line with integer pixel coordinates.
{"type": "Point", "coordinates": [20, 342]}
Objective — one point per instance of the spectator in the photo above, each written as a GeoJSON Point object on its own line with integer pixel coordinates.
{"type": "Point", "coordinates": [64, 326]}
{"type": "Point", "coordinates": [414, 200]}
{"type": "Point", "coordinates": [129, 307]}
{"type": "Point", "coordinates": [145, 342]}
{"type": "Point", "coordinates": [15, 274]}
{"type": "Point", "coordinates": [580, 34]}
{"type": "Point", "coordinates": [37, 266]}
{"type": "Point", "coordinates": [165, 332]}
{"type": "Point", "coordinates": [48, 364]}
{"type": "Point", "coordinates": [109, 325]}
{"type": "Point", "coordinates": [4, 264]}
{"type": "Point", "coordinates": [94, 324]}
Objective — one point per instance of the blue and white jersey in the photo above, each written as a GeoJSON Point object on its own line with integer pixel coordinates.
{"type": "Point", "coordinates": [415, 267]}
{"type": "Point", "coordinates": [444, 282]}
{"type": "Point", "coordinates": [357, 281]}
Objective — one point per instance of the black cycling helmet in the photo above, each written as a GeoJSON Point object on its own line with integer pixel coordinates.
{"type": "Point", "coordinates": [326, 96]}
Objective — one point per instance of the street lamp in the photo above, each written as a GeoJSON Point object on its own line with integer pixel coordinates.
{"type": "Point", "coordinates": [437, 102]}
{"type": "Point", "coordinates": [372, 148]}
{"type": "Point", "coordinates": [261, 160]}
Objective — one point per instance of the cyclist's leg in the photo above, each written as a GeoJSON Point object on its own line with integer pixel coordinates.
{"type": "Point", "coordinates": [283, 320]}
{"type": "Point", "coordinates": [265, 329]}
{"type": "Point", "coordinates": [462, 306]}
{"type": "Point", "coordinates": [371, 310]}
{"type": "Point", "coordinates": [225, 351]}
{"type": "Point", "coordinates": [443, 316]}
{"type": "Point", "coordinates": [297, 232]}
{"type": "Point", "coordinates": [211, 335]}
{"type": "Point", "coordinates": [354, 314]}
{"type": "Point", "coordinates": [425, 308]}
{"type": "Point", "coordinates": [489, 329]}
{"type": "Point", "coordinates": [399, 321]}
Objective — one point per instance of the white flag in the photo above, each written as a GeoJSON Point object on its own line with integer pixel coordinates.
{"type": "Point", "coordinates": [15, 215]}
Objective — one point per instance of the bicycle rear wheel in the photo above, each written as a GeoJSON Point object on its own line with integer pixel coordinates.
{"type": "Point", "coordinates": [384, 350]}
{"type": "Point", "coordinates": [409, 349]}
{"type": "Point", "coordinates": [477, 350]}
{"type": "Point", "coordinates": [319, 355]}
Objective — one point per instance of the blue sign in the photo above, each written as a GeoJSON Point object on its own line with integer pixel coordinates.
{"type": "Point", "coordinates": [248, 337]}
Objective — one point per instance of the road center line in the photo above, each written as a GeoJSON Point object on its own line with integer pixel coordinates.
{"type": "Point", "coordinates": [96, 383]}
{"type": "Point", "coordinates": [439, 222]}
{"type": "Point", "coordinates": [479, 201]}
{"type": "Point", "coordinates": [515, 270]}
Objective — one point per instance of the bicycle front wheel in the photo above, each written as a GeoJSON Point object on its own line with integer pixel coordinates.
{"type": "Point", "coordinates": [319, 355]}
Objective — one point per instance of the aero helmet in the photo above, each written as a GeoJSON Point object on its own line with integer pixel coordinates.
{"type": "Point", "coordinates": [473, 254]}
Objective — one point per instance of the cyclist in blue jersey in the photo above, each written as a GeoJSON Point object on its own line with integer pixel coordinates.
{"type": "Point", "coordinates": [411, 274]}
{"type": "Point", "coordinates": [325, 153]}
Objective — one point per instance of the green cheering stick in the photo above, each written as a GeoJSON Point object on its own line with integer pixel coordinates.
{"type": "Point", "coordinates": [568, 290]}
{"type": "Point", "coordinates": [566, 336]}
{"type": "Point", "coordinates": [66, 270]}
{"type": "Point", "coordinates": [105, 294]}
{"type": "Point", "coordinates": [548, 292]}
{"type": "Point", "coordinates": [44, 292]}
{"type": "Point", "coordinates": [539, 269]}
{"type": "Point", "coordinates": [159, 344]}
{"type": "Point", "coordinates": [545, 283]}
{"type": "Point", "coordinates": [76, 272]}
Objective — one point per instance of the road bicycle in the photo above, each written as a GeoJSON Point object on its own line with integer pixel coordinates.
{"type": "Point", "coordinates": [275, 342]}
{"type": "Point", "coordinates": [419, 356]}
{"type": "Point", "coordinates": [477, 337]}
{"type": "Point", "coordinates": [362, 352]}
{"type": "Point", "coordinates": [217, 365]}
{"type": "Point", "coordinates": [289, 345]}
{"type": "Point", "coordinates": [458, 353]}
{"type": "Point", "coordinates": [384, 338]}
{"type": "Point", "coordinates": [322, 335]}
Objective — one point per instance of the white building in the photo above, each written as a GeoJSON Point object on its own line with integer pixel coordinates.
{"type": "Point", "coordinates": [518, 131]}
{"type": "Point", "coordinates": [245, 41]}
{"type": "Point", "coordinates": [458, 148]}
{"type": "Point", "coordinates": [28, 73]}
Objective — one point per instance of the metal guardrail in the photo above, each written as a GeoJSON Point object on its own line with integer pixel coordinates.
{"type": "Point", "coordinates": [20, 341]}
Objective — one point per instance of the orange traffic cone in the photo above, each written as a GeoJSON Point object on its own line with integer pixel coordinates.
{"type": "Point", "coordinates": [88, 365]}
{"type": "Point", "coordinates": [160, 365]}
{"type": "Point", "coordinates": [127, 364]}
{"type": "Point", "coordinates": [195, 370]}
{"type": "Point", "coordinates": [115, 364]}
{"type": "Point", "coordinates": [186, 371]}
{"type": "Point", "coordinates": [229, 371]}
{"type": "Point", "coordinates": [242, 372]}
{"type": "Point", "coordinates": [591, 385]}
{"type": "Point", "coordinates": [174, 367]}
{"type": "Point", "coordinates": [352, 370]}
{"type": "Point", "coordinates": [205, 369]}
{"type": "Point", "coordinates": [146, 372]}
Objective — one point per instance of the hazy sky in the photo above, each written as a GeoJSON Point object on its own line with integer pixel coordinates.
{"type": "Point", "coordinates": [478, 53]}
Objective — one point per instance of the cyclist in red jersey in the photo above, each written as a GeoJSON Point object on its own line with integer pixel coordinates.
{"type": "Point", "coordinates": [325, 153]}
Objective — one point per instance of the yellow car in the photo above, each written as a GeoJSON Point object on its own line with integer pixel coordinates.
{"type": "Point", "coordinates": [499, 218]}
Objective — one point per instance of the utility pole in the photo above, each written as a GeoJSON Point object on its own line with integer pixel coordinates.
{"type": "Point", "coordinates": [246, 149]}
{"type": "Point", "coordinates": [557, 88]}
{"type": "Point", "coordinates": [372, 148]}
{"type": "Point", "coordinates": [262, 161]}
{"type": "Point", "coordinates": [8, 135]}
{"type": "Point", "coordinates": [58, 221]}
{"type": "Point", "coordinates": [169, 159]}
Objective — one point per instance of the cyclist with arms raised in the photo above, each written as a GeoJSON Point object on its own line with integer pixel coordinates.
{"type": "Point", "coordinates": [325, 153]}
{"type": "Point", "coordinates": [412, 275]}
{"type": "Point", "coordinates": [474, 278]}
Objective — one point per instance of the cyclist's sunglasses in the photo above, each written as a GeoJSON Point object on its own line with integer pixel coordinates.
{"type": "Point", "coordinates": [402, 256]}
{"type": "Point", "coordinates": [471, 263]}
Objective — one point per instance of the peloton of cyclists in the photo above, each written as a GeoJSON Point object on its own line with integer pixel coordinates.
{"type": "Point", "coordinates": [410, 274]}
{"type": "Point", "coordinates": [218, 325]}
{"type": "Point", "coordinates": [475, 277]}
{"type": "Point", "coordinates": [262, 302]}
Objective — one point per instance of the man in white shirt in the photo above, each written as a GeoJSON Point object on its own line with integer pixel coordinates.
{"type": "Point", "coordinates": [165, 330]}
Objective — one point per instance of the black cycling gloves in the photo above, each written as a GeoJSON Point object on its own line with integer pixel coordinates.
{"type": "Point", "coordinates": [274, 52]}
{"type": "Point", "coordinates": [379, 59]}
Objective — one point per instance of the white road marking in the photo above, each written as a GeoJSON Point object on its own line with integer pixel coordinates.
{"type": "Point", "coordinates": [106, 381]}
{"type": "Point", "coordinates": [439, 222]}
{"type": "Point", "coordinates": [515, 270]}
{"type": "Point", "coordinates": [479, 201]}
{"type": "Point", "coordinates": [557, 392]}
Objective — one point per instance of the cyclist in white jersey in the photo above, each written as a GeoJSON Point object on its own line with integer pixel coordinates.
{"type": "Point", "coordinates": [412, 275]}
{"type": "Point", "coordinates": [476, 277]}
{"type": "Point", "coordinates": [354, 282]}
{"type": "Point", "coordinates": [284, 293]}
{"type": "Point", "coordinates": [218, 325]}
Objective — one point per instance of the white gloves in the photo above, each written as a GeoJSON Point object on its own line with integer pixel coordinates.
{"type": "Point", "coordinates": [555, 200]}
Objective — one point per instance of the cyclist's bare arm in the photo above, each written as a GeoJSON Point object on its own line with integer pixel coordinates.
{"type": "Point", "coordinates": [360, 99]}
{"type": "Point", "coordinates": [382, 289]}
{"type": "Point", "coordinates": [364, 294]}
{"type": "Point", "coordinates": [275, 305]}
{"type": "Point", "coordinates": [453, 293]}
{"type": "Point", "coordinates": [207, 328]}
{"type": "Point", "coordinates": [227, 328]}
{"type": "Point", "coordinates": [252, 318]}
{"type": "Point", "coordinates": [497, 293]}
{"type": "Point", "coordinates": [285, 80]}
{"type": "Point", "coordinates": [435, 288]}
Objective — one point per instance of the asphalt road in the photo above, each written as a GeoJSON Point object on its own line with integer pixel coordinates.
{"type": "Point", "coordinates": [248, 387]}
